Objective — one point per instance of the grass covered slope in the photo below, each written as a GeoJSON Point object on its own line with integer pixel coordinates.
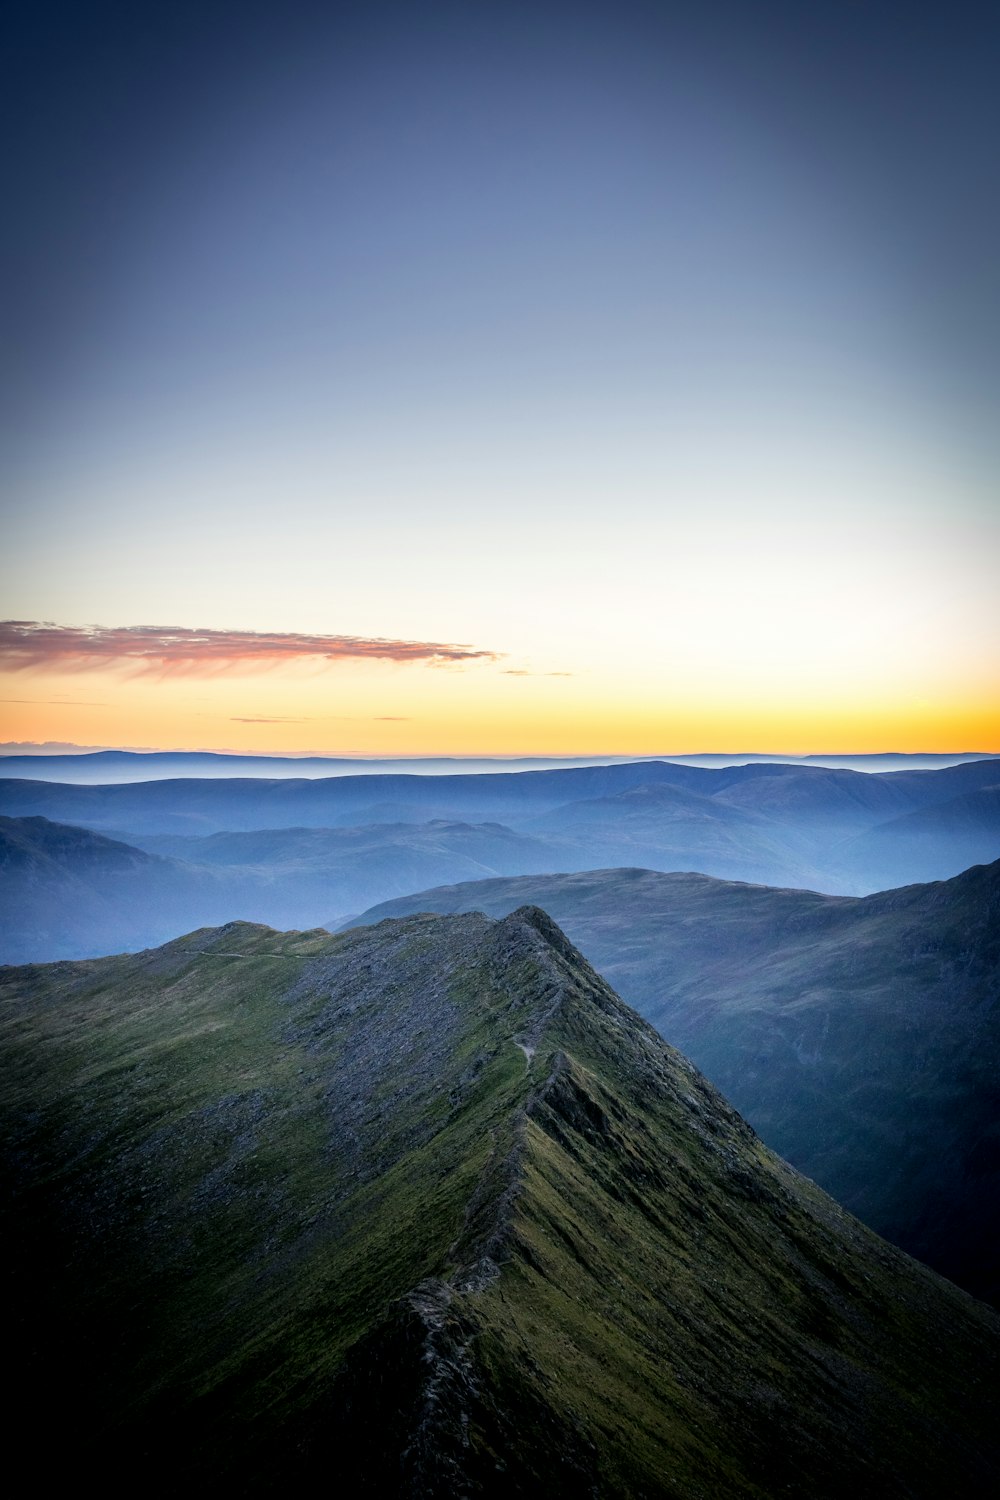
{"type": "Point", "coordinates": [425, 1209]}
{"type": "Point", "coordinates": [857, 1035]}
{"type": "Point", "coordinates": [246, 1144]}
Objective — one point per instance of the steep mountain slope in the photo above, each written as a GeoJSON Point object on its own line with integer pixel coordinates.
{"type": "Point", "coordinates": [427, 1210]}
{"type": "Point", "coordinates": [31, 846]}
{"type": "Point", "coordinates": [858, 1036]}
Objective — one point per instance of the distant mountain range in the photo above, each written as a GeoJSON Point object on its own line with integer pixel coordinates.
{"type": "Point", "coordinates": [100, 767]}
{"type": "Point", "coordinates": [425, 1210]}
{"type": "Point", "coordinates": [104, 766]}
{"type": "Point", "coordinates": [66, 892]}
{"type": "Point", "coordinates": [910, 847]}
{"type": "Point", "coordinates": [858, 1036]}
{"type": "Point", "coordinates": [834, 830]}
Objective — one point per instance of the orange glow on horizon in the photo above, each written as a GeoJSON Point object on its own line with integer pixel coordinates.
{"type": "Point", "coordinates": [411, 711]}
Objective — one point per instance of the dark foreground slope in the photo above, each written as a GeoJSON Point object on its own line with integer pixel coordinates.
{"type": "Point", "coordinates": [858, 1035]}
{"type": "Point", "coordinates": [426, 1210]}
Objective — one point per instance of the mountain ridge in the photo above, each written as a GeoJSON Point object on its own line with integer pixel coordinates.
{"type": "Point", "coordinates": [92, 766]}
{"type": "Point", "coordinates": [776, 824]}
{"type": "Point", "coordinates": [532, 790]}
{"type": "Point", "coordinates": [855, 1033]}
{"type": "Point", "coordinates": [428, 1201]}
{"type": "Point", "coordinates": [68, 892]}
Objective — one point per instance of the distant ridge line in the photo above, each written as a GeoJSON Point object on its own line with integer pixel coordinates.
{"type": "Point", "coordinates": [101, 766]}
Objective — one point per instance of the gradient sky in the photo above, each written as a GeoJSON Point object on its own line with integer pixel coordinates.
{"type": "Point", "coordinates": [502, 378]}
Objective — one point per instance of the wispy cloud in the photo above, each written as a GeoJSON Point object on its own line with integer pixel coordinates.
{"type": "Point", "coordinates": [392, 719]}
{"type": "Point", "coordinates": [34, 645]}
{"type": "Point", "coordinates": [523, 672]}
{"type": "Point", "coordinates": [238, 720]}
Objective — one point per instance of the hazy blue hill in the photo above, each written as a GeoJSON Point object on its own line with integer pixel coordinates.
{"type": "Point", "coordinates": [642, 803]}
{"type": "Point", "coordinates": [931, 843]}
{"type": "Point", "coordinates": [190, 805]}
{"type": "Point", "coordinates": [103, 766]}
{"type": "Point", "coordinates": [894, 760]}
{"type": "Point", "coordinates": [779, 824]}
{"type": "Point", "coordinates": [672, 828]}
{"type": "Point", "coordinates": [315, 848]}
{"type": "Point", "coordinates": [301, 870]}
{"type": "Point", "coordinates": [66, 892]}
{"type": "Point", "coordinates": [815, 799]}
{"type": "Point", "coordinates": [929, 787]}
{"type": "Point", "coordinates": [859, 1036]}
{"type": "Point", "coordinates": [843, 800]}
{"type": "Point", "coordinates": [425, 1210]}
{"type": "Point", "coordinates": [30, 847]}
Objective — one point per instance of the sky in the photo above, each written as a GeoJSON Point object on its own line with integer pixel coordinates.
{"type": "Point", "coordinates": [501, 379]}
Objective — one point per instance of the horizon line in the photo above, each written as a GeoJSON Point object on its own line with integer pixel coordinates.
{"type": "Point", "coordinates": [42, 750]}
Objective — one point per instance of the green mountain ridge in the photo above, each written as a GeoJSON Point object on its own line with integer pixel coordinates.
{"type": "Point", "coordinates": [424, 1209]}
{"type": "Point", "coordinates": [857, 1035]}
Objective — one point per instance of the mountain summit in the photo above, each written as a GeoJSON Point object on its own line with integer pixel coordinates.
{"type": "Point", "coordinates": [857, 1035]}
{"type": "Point", "coordinates": [425, 1209]}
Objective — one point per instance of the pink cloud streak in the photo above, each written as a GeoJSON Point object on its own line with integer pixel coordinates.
{"type": "Point", "coordinates": [34, 645]}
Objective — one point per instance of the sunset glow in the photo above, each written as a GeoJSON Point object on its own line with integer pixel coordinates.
{"type": "Point", "coordinates": [498, 385]}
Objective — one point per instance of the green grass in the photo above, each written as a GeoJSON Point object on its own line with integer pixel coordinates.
{"type": "Point", "coordinates": [856, 1035]}
{"type": "Point", "coordinates": [229, 1174]}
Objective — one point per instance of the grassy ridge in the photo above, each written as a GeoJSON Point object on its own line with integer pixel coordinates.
{"type": "Point", "coordinates": [427, 1207]}
{"type": "Point", "coordinates": [232, 1129]}
{"type": "Point", "coordinates": [857, 1035]}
